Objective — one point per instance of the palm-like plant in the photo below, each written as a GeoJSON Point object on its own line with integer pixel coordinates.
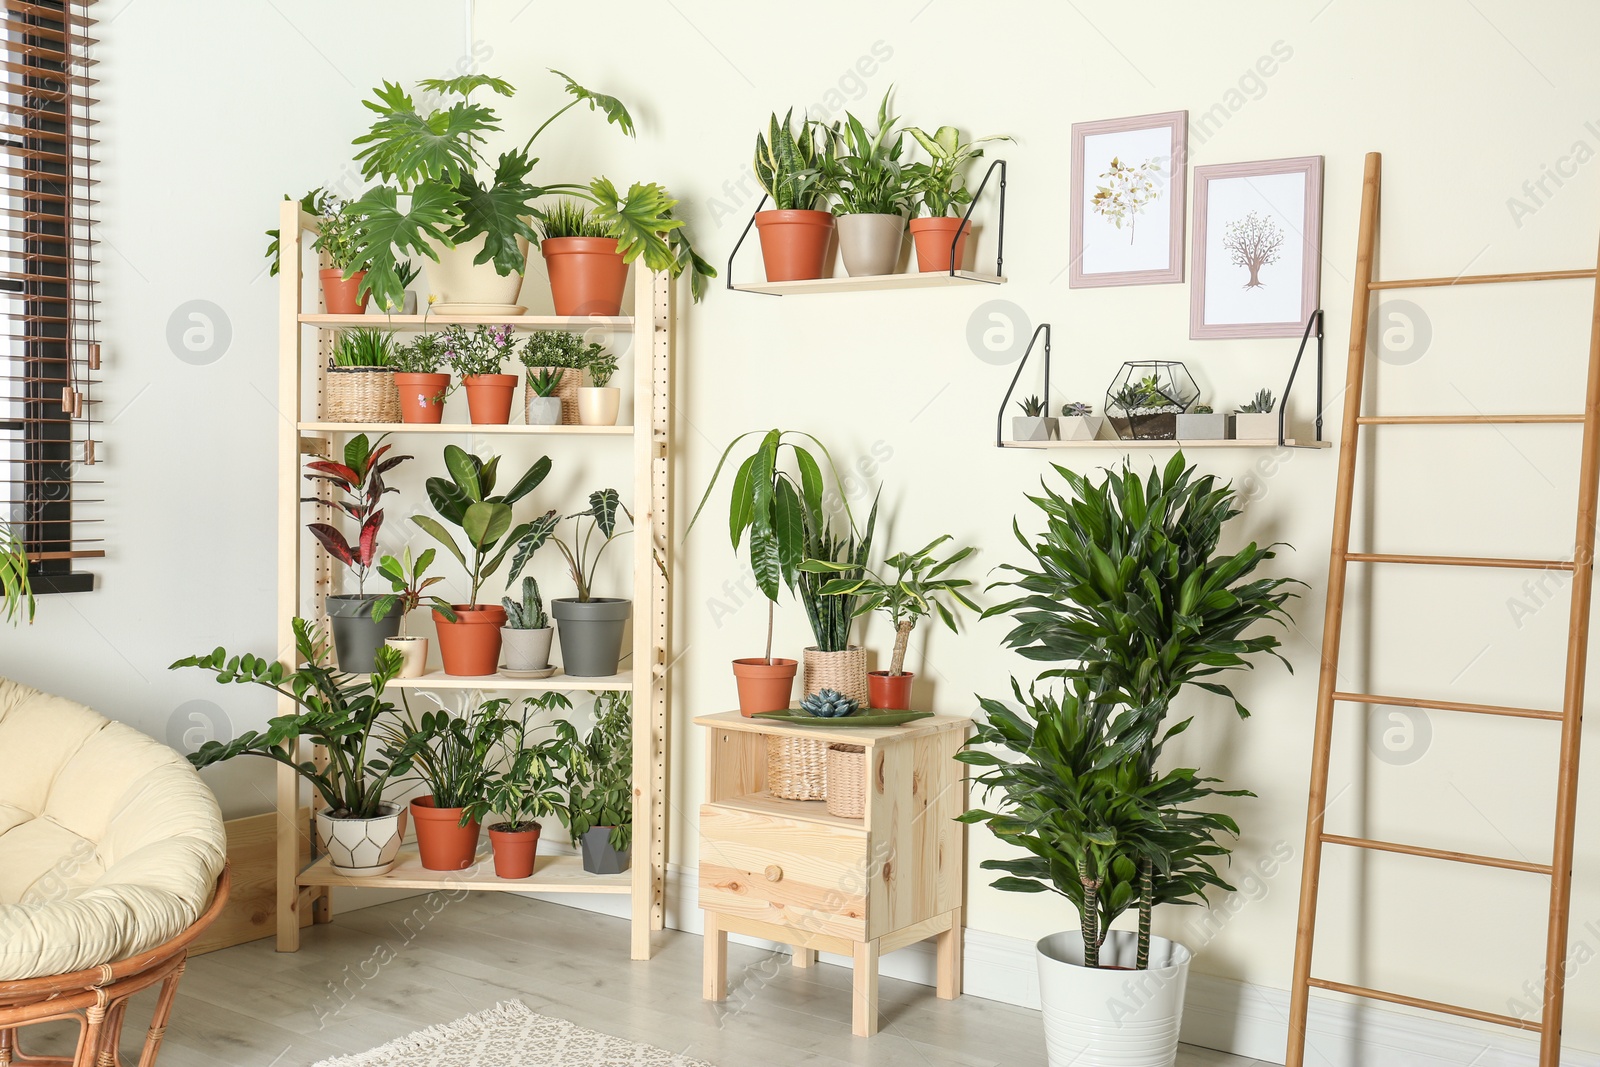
{"type": "Point", "coordinates": [345, 714]}
{"type": "Point", "coordinates": [793, 166]}
{"type": "Point", "coordinates": [360, 479]}
{"type": "Point", "coordinates": [16, 592]}
{"type": "Point", "coordinates": [466, 499]}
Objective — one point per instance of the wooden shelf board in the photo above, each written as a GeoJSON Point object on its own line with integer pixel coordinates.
{"type": "Point", "coordinates": [565, 682]}
{"type": "Point", "coordinates": [437, 321]}
{"type": "Point", "coordinates": [849, 735]}
{"type": "Point", "coordinates": [812, 811]}
{"type": "Point", "coordinates": [872, 283]}
{"type": "Point", "coordinates": [1115, 443]}
{"type": "Point", "coordinates": [464, 428]}
{"type": "Point", "coordinates": [551, 874]}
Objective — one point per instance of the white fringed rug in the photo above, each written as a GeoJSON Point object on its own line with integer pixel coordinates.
{"type": "Point", "coordinates": [511, 1035]}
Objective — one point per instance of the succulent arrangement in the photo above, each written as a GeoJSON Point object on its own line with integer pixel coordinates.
{"type": "Point", "coordinates": [1202, 409]}
{"type": "Point", "coordinates": [1032, 407]}
{"type": "Point", "coordinates": [528, 613]}
{"type": "Point", "coordinates": [829, 704]}
{"type": "Point", "coordinates": [1077, 409]}
{"type": "Point", "coordinates": [1263, 404]}
{"type": "Point", "coordinates": [1147, 395]}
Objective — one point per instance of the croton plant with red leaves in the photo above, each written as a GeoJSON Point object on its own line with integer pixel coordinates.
{"type": "Point", "coordinates": [360, 481]}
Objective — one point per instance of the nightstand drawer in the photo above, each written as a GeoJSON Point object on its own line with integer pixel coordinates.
{"type": "Point", "coordinates": [805, 875]}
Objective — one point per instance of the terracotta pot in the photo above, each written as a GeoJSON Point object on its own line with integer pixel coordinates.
{"type": "Point", "coordinates": [932, 238]}
{"type": "Point", "coordinates": [422, 396]}
{"type": "Point", "coordinates": [489, 397]}
{"type": "Point", "coordinates": [444, 843]}
{"type": "Point", "coordinates": [870, 244]}
{"type": "Point", "coordinates": [470, 646]}
{"type": "Point", "coordinates": [339, 293]}
{"type": "Point", "coordinates": [889, 692]}
{"type": "Point", "coordinates": [764, 686]}
{"type": "Point", "coordinates": [414, 655]}
{"type": "Point", "coordinates": [794, 244]}
{"type": "Point", "coordinates": [455, 279]}
{"type": "Point", "coordinates": [598, 405]}
{"type": "Point", "coordinates": [587, 275]}
{"type": "Point", "coordinates": [514, 850]}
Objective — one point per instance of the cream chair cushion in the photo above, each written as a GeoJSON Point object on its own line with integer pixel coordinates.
{"type": "Point", "coordinates": [110, 844]}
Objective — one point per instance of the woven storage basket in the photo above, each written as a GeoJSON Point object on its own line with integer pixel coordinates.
{"type": "Point", "coordinates": [360, 394]}
{"type": "Point", "coordinates": [844, 671]}
{"type": "Point", "coordinates": [571, 378]}
{"type": "Point", "coordinates": [797, 767]}
{"type": "Point", "coordinates": [847, 781]}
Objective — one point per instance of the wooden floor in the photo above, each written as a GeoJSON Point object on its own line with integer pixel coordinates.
{"type": "Point", "coordinates": [381, 972]}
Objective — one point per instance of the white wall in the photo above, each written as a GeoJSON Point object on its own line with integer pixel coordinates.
{"type": "Point", "coordinates": [1467, 103]}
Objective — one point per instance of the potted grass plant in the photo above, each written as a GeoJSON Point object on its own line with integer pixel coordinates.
{"type": "Point", "coordinates": [587, 248]}
{"type": "Point", "coordinates": [940, 235]}
{"type": "Point", "coordinates": [833, 662]}
{"type": "Point", "coordinates": [916, 590]}
{"type": "Point", "coordinates": [871, 187]}
{"type": "Point", "coordinates": [565, 353]}
{"type": "Point", "coordinates": [420, 385]}
{"type": "Point", "coordinates": [410, 592]}
{"type": "Point", "coordinates": [599, 401]}
{"type": "Point", "coordinates": [526, 635]}
{"type": "Point", "coordinates": [541, 403]}
{"type": "Point", "coordinates": [589, 628]}
{"type": "Point", "coordinates": [358, 480]}
{"type": "Point", "coordinates": [360, 384]}
{"type": "Point", "coordinates": [792, 167]}
{"type": "Point", "coordinates": [1257, 420]}
{"type": "Point", "coordinates": [478, 356]}
{"type": "Point", "coordinates": [596, 773]}
{"type": "Point", "coordinates": [16, 591]}
{"type": "Point", "coordinates": [469, 644]}
{"type": "Point", "coordinates": [451, 755]}
{"type": "Point", "coordinates": [521, 790]}
{"type": "Point", "coordinates": [348, 717]}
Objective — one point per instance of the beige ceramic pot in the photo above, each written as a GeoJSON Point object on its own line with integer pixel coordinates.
{"type": "Point", "coordinates": [414, 655]}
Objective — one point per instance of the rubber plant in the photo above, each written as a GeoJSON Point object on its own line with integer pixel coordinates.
{"type": "Point", "coordinates": [466, 500]}
{"type": "Point", "coordinates": [359, 478]}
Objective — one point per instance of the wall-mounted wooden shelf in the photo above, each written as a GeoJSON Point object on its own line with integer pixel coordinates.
{"type": "Point", "coordinates": [871, 283]}
{"type": "Point", "coordinates": [551, 874]}
{"type": "Point", "coordinates": [439, 322]}
{"type": "Point", "coordinates": [462, 428]}
{"type": "Point", "coordinates": [1158, 445]}
{"type": "Point", "coordinates": [565, 682]}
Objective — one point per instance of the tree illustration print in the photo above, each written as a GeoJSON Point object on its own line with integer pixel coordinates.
{"type": "Point", "coordinates": [1253, 242]}
{"type": "Point", "coordinates": [1127, 191]}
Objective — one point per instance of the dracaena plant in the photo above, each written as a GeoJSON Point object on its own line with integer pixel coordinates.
{"type": "Point", "coordinates": [410, 588]}
{"type": "Point", "coordinates": [940, 182]}
{"type": "Point", "coordinates": [582, 553]}
{"type": "Point", "coordinates": [16, 592]}
{"type": "Point", "coordinates": [793, 165]}
{"type": "Point", "coordinates": [359, 481]}
{"type": "Point", "coordinates": [915, 591]}
{"type": "Point", "coordinates": [345, 714]}
{"type": "Point", "coordinates": [466, 499]}
{"type": "Point", "coordinates": [832, 614]}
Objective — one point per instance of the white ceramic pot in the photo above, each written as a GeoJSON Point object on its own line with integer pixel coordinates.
{"type": "Point", "coordinates": [1034, 428]}
{"type": "Point", "coordinates": [414, 655]}
{"type": "Point", "coordinates": [543, 410]}
{"type": "Point", "coordinates": [525, 650]}
{"type": "Point", "coordinates": [362, 846]}
{"type": "Point", "coordinates": [598, 406]}
{"type": "Point", "coordinates": [455, 279]}
{"type": "Point", "coordinates": [1080, 427]}
{"type": "Point", "coordinates": [1256, 427]}
{"type": "Point", "coordinates": [1108, 1016]}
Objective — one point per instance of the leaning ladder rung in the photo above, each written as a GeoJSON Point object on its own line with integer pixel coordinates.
{"type": "Point", "coordinates": [1436, 854]}
{"type": "Point", "coordinates": [1446, 705]}
{"type": "Point", "coordinates": [1466, 420]}
{"type": "Point", "coordinates": [1461, 561]}
{"type": "Point", "coordinates": [1483, 279]}
{"type": "Point", "coordinates": [1429, 1005]}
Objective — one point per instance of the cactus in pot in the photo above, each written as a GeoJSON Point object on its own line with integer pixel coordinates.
{"type": "Point", "coordinates": [525, 637]}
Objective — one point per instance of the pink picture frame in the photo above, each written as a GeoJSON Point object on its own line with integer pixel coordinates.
{"type": "Point", "coordinates": [1089, 235]}
{"type": "Point", "coordinates": [1268, 248]}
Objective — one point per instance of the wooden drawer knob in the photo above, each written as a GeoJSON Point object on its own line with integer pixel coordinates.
{"type": "Point", "coordinates": [774, 873]}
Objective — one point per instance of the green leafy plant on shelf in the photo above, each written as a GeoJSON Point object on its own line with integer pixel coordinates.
{"type": "Point", "coordinates": [642, 224]}
{"type": "Point", "coordinates": [16, 590]}
{"type": "Point", "coordinates": [583, 553]}
{"type": "Point", "coordinates": [602, 367]}
{"type": "Point", "coordinates": [1263, 404]}
{"type": "Point", "coordinates": [359, 481]}
{"type": "Point", "coordinates": [363, 347]}
{"type": "Point", "coordinates": [451, 754]}
{"type": "Point", "coordinates": [869, 175]}
{"type": "Point", "coordinates": [339, 236]}
{"type": "Point", "coordinates": [425, 354]}
{"type": "Point", "coordinates": [568, 218]}
{"type": "Point", "coordinates": [466, 499]}
{"type": "Point", "coordinates": [478, 350]}
{"type": "Point", "coordinates": [915, 591]}
{"type": "Point", "coordinates": [559, 348]}
{"type": "Point", "coordinates": [940, 183]}
{"type": "Point", "coordinates": [345, 714]}
{"type": "Point", "coordinates": [527, 613]}
{"type": "Point", "coordinates": [596, 770]}
{"type": "Point", "coordinates": [793, 165]}
{"type": "Point", "coordinates": [523, 787]}
{"type": "Point", "coordinates": [409, 588]}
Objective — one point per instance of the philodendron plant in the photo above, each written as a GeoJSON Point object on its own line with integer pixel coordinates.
{"type": "Point", "coordinates": [466, 500]}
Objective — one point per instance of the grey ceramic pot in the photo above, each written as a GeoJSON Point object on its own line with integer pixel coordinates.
{"type": "Point", "coordinates": [1204, 427]}
{"type": "Point", "coordinates": [356, 638]}
{"type": "Point", "coordinates": [870, 244]}
{"type": "Point", "coordinates": [598, 855]}
{"type": "Point", "coordinates": [590, 632]}
{"type": "Point", "coordinates": [1034, 428]}
{"type": "Point", "coordinates": [525, 650]}
{"type": "Point", "coordinates": [544, 411]}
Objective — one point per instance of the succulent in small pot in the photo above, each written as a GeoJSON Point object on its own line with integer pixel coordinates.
{"type": "Point", "coordinates": [521, 791]}
{"type": "Point", "coordinates": [1146, 398]}
{"type": "Point", "coordinates": [941, 236]}
{"type": "Point", "coordinates": [589, 627]}
{"type": "Point", "coordinates": [1079, 422]}
{"type": "Point", "coordinates": [598, 403]}
{"type": "Point", "coordinates": [1257, 420]}
{"type": "Point", "coordinates": [410, 593]}
{"type": "Point", "coordinates": [357, 636]}
{"type": "Point", "coordinates": [541, 405]}
{"type": "Point", "coordinates": [871, 185]}
{"type": "Point", "coordinates": [470, 643]}
{"type": "Point", "coordinates": [791, 166]}
{"type": "Point", "coordinates": [563, 352]}
{"type": "Point", "coordinates": [596, 774]}
{"type": "Point", "coordinates": [525, 638]}
{"type": "Point", "coordinates": [421, 387]}
{"type": "Point", "coordinates": [478, 355]}
{"type": "Point", "coordinates": [829, 704]}
{"type": "Point", "coordinates": [1202, 423]}
{"type": "Point", "coordinates": [1033, 424]}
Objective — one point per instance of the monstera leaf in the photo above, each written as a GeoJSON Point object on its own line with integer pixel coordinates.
{"type": "Point", "coordinates": [391, 235]}
{"type": "Point", "coordinates": [408, 148]}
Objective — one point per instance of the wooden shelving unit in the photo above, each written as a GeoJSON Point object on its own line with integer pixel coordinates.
{"type": "Point", "coordinates": [304, 341]}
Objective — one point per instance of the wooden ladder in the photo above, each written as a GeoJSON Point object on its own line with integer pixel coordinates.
{"type": "Point", "coordinates": [1559, 869]}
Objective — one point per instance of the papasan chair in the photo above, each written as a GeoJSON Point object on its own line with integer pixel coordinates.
{"type": "Point", "coordinates": [112, 861]}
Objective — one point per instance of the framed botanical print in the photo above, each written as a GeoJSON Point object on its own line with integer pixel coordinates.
{"type": "Point", "coordinates": [1127, 191]}
{"type": "Point", "coordinates": [1257, 248]}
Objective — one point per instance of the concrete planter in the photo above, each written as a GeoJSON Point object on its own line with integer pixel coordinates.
{"type": "Point", "coordinates": [1029, 428]}
{"type": "Point", "coordinates": [1255, 427]}
{"type": "Point", "coordinates": [870, 244]}
{"type": "Point", "coordinates": [1212, 427]}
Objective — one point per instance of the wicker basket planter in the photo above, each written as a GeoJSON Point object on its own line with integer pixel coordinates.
{"type": "Point", "coordinates": [571, 379]}
{"type": "Point", "coordinates": [844, 671]}
{"type": "Point", "coordinates": [360, 394]}
{"type": "Point", "coordinates": [797, 767]}
{"type": "Point", "coordinates": [847, 781]}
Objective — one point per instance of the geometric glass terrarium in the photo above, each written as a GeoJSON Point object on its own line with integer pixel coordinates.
{"type": "Point", "coordinates": [1146, 397]}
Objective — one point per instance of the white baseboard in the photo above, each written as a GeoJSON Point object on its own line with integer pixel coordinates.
{"type": "Point", "coordinates": [1219, 1013]}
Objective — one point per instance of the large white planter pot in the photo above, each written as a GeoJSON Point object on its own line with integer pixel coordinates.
{"type": "Point", "coordinates": [455, 279]}
{"type": "Point", "coordinates": [1108, 1017]}
{"type": "Point", "coordinates": [362, 846]}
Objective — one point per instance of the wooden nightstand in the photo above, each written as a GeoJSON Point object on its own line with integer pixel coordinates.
{"type": "Point", "coordinates": [788, 871]}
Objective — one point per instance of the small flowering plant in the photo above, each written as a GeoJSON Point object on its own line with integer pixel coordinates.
{"type": "Point", "coordinates": [481, 350]}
